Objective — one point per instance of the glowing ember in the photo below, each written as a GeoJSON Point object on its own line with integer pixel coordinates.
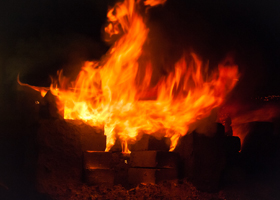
{"type": "Point", "coordinates": [109, 94]}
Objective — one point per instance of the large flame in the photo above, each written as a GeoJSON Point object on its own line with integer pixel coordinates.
{"type": "Point", "coordinates": [110, 94]}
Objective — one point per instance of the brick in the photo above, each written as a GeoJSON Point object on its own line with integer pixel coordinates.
{"type": "Point", "coordinates": [149, 142]}
{"type": "Point", "coordinates": [146, 175]}
{"type": "Point", "coordinates": [233, 147]}
{"type": "Point", "coordinates": [117, 147]}
{"type": "Point", "coordinates": [154, 159]}
{"type": "Point", "coordinates": [210, 129]}
{"type": "Point", "coordinates": [87, 129]}
{"type": "Point", "coordinates": [93, 142]}
{"type": "Point", "coordinates": [203, 158]}
{"type": "Point", "coordinates": [97, 159]}
{"type": "Point", "coordinates": [233, 144]}
{"type": "Point", "coordinates": [259, 147]}
{"type": "Point", "coordinates": [92, 138]}
{"type": "Point", "coordinates": [209, 162]}
{"type": "Point", "coordinates": [48, 107]}
{"type": "Point", "coordinates": [95, 176]}
{"type": "Point", "coordinates": [121, 166]}
{"type": "Point", "coordinates": [57, 155]}
{"type": "Point", "coordinates": [185, 149]}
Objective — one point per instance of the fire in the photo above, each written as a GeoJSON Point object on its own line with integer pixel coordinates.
{"type": "Point", "coordinates": [240, 126]}
{"type": "Point", "coordinates": [110, 94]}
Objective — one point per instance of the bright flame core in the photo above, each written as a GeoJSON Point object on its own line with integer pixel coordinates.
{"type": "Point", "coordinates": [109, 93]}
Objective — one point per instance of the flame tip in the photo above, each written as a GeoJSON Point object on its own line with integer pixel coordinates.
{"type": "Point", "coordinates": [113, 94]}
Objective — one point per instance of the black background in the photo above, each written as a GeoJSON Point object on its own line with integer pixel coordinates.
{"type": "Point", "coordinates": [37, 38]}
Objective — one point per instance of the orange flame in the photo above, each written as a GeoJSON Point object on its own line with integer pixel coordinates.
{"type": "Point", "coordinates": [154, 2]}
{"type": "Point", "coordinates": [107, 94]}
{"type": "Point", "coordinates": [240, 124]}
{"type": "Point", "coordinates": [42, 90]}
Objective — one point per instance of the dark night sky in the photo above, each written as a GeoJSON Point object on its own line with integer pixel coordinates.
{"type": "Point", "coordinates": [38, 37]}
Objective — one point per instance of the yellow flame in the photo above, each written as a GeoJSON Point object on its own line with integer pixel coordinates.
{"type": "Point", "coordinates": [109, 94]}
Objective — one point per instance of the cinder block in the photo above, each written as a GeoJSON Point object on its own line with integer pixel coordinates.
{"type": "Point", "coordinates": [150, 143]}
{"type": "Point", "coordinates": [209, 161]}
{"type": "Point", "coordinates": [154, 159]}
{"type": "Point", "coordinates": [99, 176]}
{"type": "Point", "coordinates": [146, 175]}
{"type": "Point", "coordinates": [87, 129]}
{"type": "Point", "coordinates": [118, 146]}
{"type": "Point", "coordinates": [233, 144]}
{"type": "Point", "coordinates": [185, 149]}
{"type": "Point", "coordinates": [203, 158]}
{"type": "Point", "coordinates": [97, 159]}
{"type": "Point", "coordinates": [93, 142]}
{"type": "Point", "coordinates": [121, 166]}
{"type": "Point", "coordinates": [48, 107]}
{"type": "Point", "coordinates": [92, 138]}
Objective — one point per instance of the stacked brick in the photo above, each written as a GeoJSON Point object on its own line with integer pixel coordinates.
{"type": "Point", "coordinates": [150, 161]}
{"type": "Point", "coordinates": [203, 158]}
{"type": "Point", "coordinates": [98, 168]}
{"type": "Point", "coordinates": [152, 167]}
